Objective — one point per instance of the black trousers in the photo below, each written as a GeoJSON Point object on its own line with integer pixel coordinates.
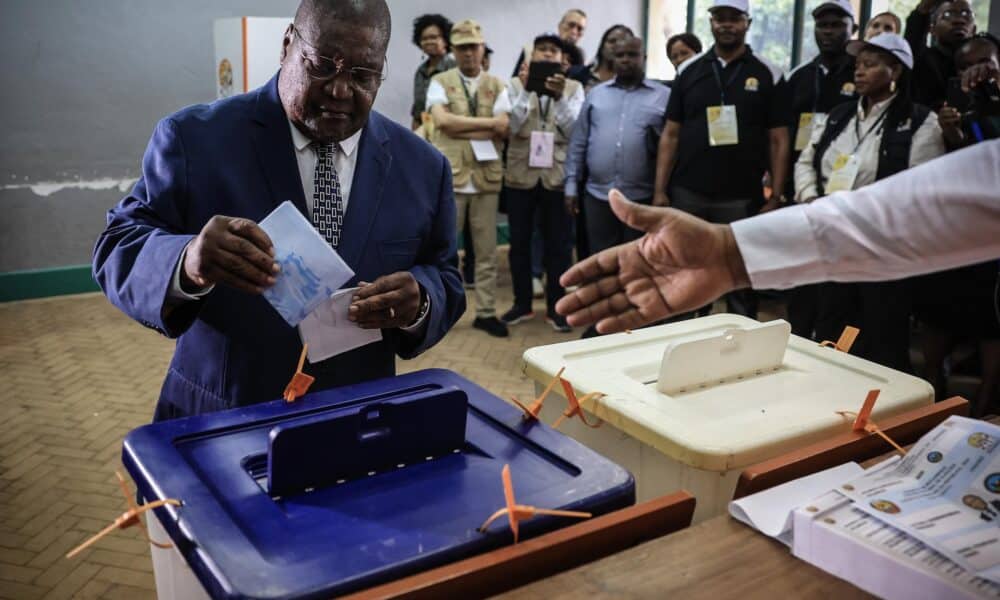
{"type": "Point", "coordinates": [881, 310]}
{"type": "Point", "coordinates": [803, 310]}
{"type": "Point", "coordinates": [722, 211]}
{"type": "Point", "coordinates": [544, 208]}
{"type": "Point", "coordinates": [604, 230]}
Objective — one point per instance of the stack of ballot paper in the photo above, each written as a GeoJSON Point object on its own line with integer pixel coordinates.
{"type": "Point", "coordinates": [923, 526]}
{"type": "Point", "coordinates": [306, 291]}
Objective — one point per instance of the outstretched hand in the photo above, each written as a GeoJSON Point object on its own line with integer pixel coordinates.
{"type": "Point", "coordinates": [681, 264]}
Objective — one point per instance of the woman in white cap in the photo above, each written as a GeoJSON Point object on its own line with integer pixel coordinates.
{"type": "Point", "coordinates": [881, 134]}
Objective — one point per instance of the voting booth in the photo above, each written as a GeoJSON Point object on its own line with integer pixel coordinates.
{"type": "Point", "coordinates": [355, 486]}
{"type": "Point", "coordinates": [247, 52]}
{"type": "Point", "coordinates": [687, 405]}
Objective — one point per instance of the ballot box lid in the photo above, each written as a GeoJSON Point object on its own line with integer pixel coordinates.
{"type": "Point", "coordinates": [244, 538]}
{"type": "Point", "coordinates": [733, 420]}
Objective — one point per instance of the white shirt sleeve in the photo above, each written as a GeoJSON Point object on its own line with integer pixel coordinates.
{"type": "Point", "coordinates": [568, 109]}
{"type": "Point", "coordinates": [928, 141]}
{"type": "Point", "coordinates": [502, 105]}
{"type": "Point", "coordinates": [436, 94]}
{"type": "Point", "coordinates": [519, 109]}
{"type": "Point", "coordinates": [940, 215]}
{"type": "Point", "coordinates": [176, 293]}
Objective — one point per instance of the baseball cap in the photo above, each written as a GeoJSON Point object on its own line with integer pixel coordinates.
{"type": "Point", "coordinates": [740, 5]}
{"type": "Point", "coordinates": [892, 43]}
{"type": "Point", "coordinates": [466, 32]}
{"type": "Point", "coordinates": [550, 36]}
{"type": "Point", "coordinates": [843, 6]}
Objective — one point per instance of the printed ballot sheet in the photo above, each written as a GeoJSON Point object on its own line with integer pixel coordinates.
{"type": "Point", "coordinates": [836, 535]}
{"type": "Point", "coordinates": [329, 332]}
{"type": "Point", "coordinates": [311, 270]}
{"type": "Point", "coordinates": [944, 493]}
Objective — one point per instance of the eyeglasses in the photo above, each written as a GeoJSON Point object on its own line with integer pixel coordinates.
{"type": "Point", "coordinates": [322, 68]}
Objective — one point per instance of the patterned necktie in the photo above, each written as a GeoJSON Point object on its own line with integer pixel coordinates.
{"type": "Point", "coordinates": [328, 205]}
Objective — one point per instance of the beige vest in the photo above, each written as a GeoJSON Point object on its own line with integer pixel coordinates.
{"type": "Point", "coordinates": [519, 175]}
{"type": "Point", "coordinates": [486, 176]}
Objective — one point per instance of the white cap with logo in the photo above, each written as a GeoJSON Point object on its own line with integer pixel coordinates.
{"type": "Point", "coordinates": [893, 43]}
{"type": "Point", "coordinates": [740, 5]}
{"type": "Point", "coordinates": [843, 6]}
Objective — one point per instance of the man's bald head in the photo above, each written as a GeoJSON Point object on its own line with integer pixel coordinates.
{"type": "Point", "coordinates": [316, 16]}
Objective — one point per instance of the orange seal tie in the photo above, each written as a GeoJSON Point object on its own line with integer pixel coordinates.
{"type": "Point", "coordinates": [300, 382]}
{"type": "Point", "coordinates": [531, 412]}
{"type": "Point", "coordinates": [863, 422]}
{"type": "Point", "coordinates": [128, 519]}
{"type": "Point", "coordinates": [520, 512]}
{"type": "Point", "coordinates": [575, 408]}
{"type": "Point", "coordinates": [847, 338]}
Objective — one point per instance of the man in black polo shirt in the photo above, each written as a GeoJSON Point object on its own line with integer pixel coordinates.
{"type": "Point", "coordinates": [950, 22]}
{"type": "Point", "coordinates": [727, 125]}
{"type": "Point", "coordinates": [813, 89]}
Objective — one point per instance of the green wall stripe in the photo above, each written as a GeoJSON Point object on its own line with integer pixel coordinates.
{"type": "Point", "coordinates": [41, 283]}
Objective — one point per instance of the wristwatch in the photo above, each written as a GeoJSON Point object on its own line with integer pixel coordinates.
{"type": "Point", "coordinates": [425, 305]}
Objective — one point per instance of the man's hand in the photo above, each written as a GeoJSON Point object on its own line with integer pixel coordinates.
{"type": "Point", "coordinates": [661, 199]}
{"type": "Point", "coordinates": [232, 251]}
{"type": "Point", "coordinates": [390, 301]}
{"type": "Point", "coordinates": [556, 84]}
{"type": "Point", "coordinates": [978, 73]}
{"type": "Point", "coordinates": [572, 204]}
{"type": "Point", "coordinates": [682, 263]}
{"type": "Point", "coordinates": [773, 203]}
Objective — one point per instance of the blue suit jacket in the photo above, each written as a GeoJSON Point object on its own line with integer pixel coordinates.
{"type": "Point", "coordinates": [235, 157]}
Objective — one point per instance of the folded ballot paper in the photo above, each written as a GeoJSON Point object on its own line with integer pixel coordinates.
{"type": "Point", "coordinates": [311, 270]}
{"type": "Point", "coordinates": [922, 526]}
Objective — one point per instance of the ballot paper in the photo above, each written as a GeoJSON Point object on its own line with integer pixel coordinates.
{"type": "Point", "coordinates": [484, 150]}
{"type": "Point", "coordinates": [833, 534]}
{"type": "Point", "coordinates": [944, 493]}
{"type": "Point", "coordinates": [770, 511]}
{"type": "Point", "coordinates": [311, 270]}
{"type": "Point", "coordinates": [329, 332]}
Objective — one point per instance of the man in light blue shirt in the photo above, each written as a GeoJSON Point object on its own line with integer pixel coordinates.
{"type": "Point", "coordinates": [614, 142]}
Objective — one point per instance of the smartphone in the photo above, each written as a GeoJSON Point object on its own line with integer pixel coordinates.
{"type": "Point", "coordinates": [538, 72]}
{"type": "Point", "coordinates": [955, 97]}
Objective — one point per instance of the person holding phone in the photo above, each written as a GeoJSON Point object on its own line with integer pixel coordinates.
{"type": "Point", "coordinates": [544, 108]}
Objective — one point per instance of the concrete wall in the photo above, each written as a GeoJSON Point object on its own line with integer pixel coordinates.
{"type": "Point", "coordinates": [84, 83]}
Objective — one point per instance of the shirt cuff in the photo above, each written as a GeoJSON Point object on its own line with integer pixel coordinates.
{"type": "Point", "coordinates": [418, 328]}
{"type": "Point", "coordinates": [176, 292]}
{"type": "Point", "coordinates": [779, 248]}
{"type": "Point", "coordinates": [570, 187]}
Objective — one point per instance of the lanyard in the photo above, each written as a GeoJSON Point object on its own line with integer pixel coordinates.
{"type": "Point", "coordinates": [718, 78]}
{"type": "Point", "coordinates": [544, 113]}
{"type": "Point", "coordinates": [473, 99]}
{"type": "Point", "coordinates": [857, 130]}
{"type": "Point", "coordinates": [816, 87]}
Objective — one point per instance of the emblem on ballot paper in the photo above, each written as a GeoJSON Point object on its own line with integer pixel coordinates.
{"type": "Point", "coordinates": [992, 483]}
{"type": "Point", "coordinates": [885, 506]}
{"type": "Point", "coordinates": [752, 84]}
{"type": "Point", "coordinates": [982, 441]}
{"type": "Point", "coordinates": [934, 457]}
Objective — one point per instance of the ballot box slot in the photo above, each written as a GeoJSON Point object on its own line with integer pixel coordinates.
{"type": "Point", "coordinates": [305, 413]}
{"type": "Point", "coordinates": [359, 441]}
{"type": "Point", "coordinates": [256, 467]}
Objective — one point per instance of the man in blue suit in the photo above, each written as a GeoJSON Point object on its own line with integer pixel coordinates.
{"type": "Point", "coordinates": [182, 254]}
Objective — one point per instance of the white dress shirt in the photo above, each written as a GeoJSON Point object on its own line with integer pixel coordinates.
{"type": "Point", "coordinates": [567, 109]}
{"type": "Point", "coordinates": [940, 215]}
{"type": "Point", "coordinates": [436, 95]}
{"type": "Point", "coordinates": [927, 144]}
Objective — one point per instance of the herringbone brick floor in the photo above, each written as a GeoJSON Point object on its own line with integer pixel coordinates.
{"type": "Point", "coordinates": [77, 375]}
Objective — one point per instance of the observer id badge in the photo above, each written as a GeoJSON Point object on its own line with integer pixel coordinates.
{"type": "Point", "coordinates": [722, 127]}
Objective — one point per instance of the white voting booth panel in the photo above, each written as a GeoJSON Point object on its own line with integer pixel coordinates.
{"type": "Point", "coordinates": [247, 52]}
{"type": "Point", "coordinates": [688, 405]}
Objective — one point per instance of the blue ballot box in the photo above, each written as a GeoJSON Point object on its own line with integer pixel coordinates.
{"type": "Point", "coordinates": [355, 486]}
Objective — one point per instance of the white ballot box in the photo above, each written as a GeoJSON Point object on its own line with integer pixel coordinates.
{"type": "Point", "coordinates": [688, 405]}
{"type": "Point", "coordinates": [247, 52]}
